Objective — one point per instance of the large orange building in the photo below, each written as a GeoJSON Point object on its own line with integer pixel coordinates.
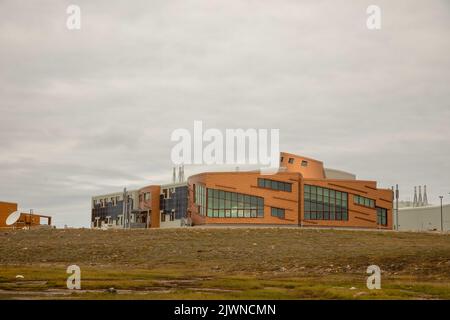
{"type": "Point", "coordinates": [302, 193]}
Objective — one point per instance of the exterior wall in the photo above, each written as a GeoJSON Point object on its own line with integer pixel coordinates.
{"type": "Point", "coordinates": [424, 218]}
{"type": "Point", "coordinates": [247, 183]}
{"type": "Point", "coordinates": [358, 216]}
{"type": "Point", "coordinates": [115, 211]}
{"type": "Point", "coordinates": [134, 194]}
{"type": "Point", "coordinates": [297, 172]}
{"type": "Point", "coordinates": [6, 208]}
{"type": "Point", "coordinates": [174, 200]}
{"type": "Point", "coordinates": [170, 224]}
{"type": "Point", "coordinates": [27, 219]}
{"type": "Point", "coordinates": [152, 204]}
{"type": "Point", "coordinates": [314, 168]}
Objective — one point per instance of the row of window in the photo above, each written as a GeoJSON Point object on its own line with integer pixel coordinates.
{"type": "Point", "coordinates": [304, 163]}
{"type": "Point", "coordinates": [104, 202]}
{"type": "Point", "coordinates": [363, 201]}
{"type": "Point", "coordinates": [325, 204]}
{"type": "Point", "coordinates": [274, 185]}
{"type": "Point", "coordinates": [225, 204]}
{"type": "Point", "coordinates": [320, 204]}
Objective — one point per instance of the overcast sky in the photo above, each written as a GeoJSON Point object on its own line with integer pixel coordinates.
{"type": "Point", "coordinates": [90, 111]}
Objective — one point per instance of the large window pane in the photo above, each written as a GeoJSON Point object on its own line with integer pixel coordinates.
{"type": "Point", "coordinates": [324, 204]}
{"type": "Point", "coordinates": [229, 206]}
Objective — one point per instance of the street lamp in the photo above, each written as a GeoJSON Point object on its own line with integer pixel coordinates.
{"type": "Point", "coordinates": [442, 225]}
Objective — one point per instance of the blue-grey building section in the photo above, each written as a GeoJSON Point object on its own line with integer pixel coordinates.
{"type": "Point", "coordinates": [177, 200]}
{"type": "Point", "coordinates": [109, 210]}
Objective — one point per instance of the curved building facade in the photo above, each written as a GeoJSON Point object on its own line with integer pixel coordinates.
{"type": "Point", "coordinates": [298, 195]}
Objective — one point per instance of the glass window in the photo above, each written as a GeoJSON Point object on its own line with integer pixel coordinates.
{"type": "Point", "coordinates": [260, 212]}
{"type": "Point", "coordinates": [234, 205]}
{"type": "Point", "coordinates": [363, 201]}
{"type": "Point", "coordinates": [381, 216]}
{"type": "Point", "coordinates": [325, 204]}
{"type": "Point", "coordinates": [319, 191]}
{"type": "Point", "coordinates": [277, 212]}
{"type": "Point", "coordinates": [260, 183]}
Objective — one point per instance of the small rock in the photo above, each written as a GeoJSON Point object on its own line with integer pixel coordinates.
{"type": "Point", "coordinates": [283, 269]}
{"type": "Point", "coordinates": [352, 288]}
{"type": "Point", "coordinates": [111, 290]}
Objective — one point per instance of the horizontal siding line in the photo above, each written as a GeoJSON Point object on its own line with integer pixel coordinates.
{"type": "Point", "coordinates": [290, 200]}
{"type": "Point", "coordinates": [348, 188]}
{"type": "Point", "coordinates": [368, 220]}
{"type": "Point", "coordinates": [222, 186]}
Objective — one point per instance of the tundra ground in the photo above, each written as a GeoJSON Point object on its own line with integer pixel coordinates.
{"type": "Point", "coordinates": [223, 263]}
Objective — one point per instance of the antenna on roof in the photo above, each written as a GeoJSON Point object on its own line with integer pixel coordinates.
{"type": "Point", "coordinates": [174, 175]}
{"type": "Point", "coordinates": [420, 196]}
{"type": "Point", "coordinates": [180, 174]}
{"type": "Point", "coordinates": [425, 198]}
{"type": "Point", "coordinates": [415, 197]}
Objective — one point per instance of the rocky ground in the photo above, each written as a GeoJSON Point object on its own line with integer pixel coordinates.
{"type": "Point", "coordinates": [221, 263]}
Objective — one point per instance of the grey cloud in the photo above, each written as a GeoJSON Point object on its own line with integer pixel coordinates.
{"type": "Point", "coordinates": [90, 111]}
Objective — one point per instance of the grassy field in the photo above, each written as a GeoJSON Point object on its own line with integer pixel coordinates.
{"type": "Point", "coordinates": [221, 263]}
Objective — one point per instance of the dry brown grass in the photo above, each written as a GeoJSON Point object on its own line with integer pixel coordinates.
{"type": "Point", "coordinates": [257, 262]}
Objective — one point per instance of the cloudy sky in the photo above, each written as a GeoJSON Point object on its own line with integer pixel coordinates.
{"type": "Point", "coordinates": [91, 111]}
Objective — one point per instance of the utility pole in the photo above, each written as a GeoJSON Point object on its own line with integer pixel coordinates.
{"type": "Point", "coordinates": [442, 220]}
{"type": "Point", "coordinates": [125, 208]}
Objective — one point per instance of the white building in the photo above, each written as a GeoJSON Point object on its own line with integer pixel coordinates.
{"type": "Point", "coordinates": [424, 218]}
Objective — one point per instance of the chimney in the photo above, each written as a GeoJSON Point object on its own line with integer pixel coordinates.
{"type": "Point", "coordinates": [425, 198]}
{"type": "Point", "coordinates": [415, 197]}
{"type": "Point", "coordinates": [180, 174]}
{"type": "Point", "coordinates": [420, 197]}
